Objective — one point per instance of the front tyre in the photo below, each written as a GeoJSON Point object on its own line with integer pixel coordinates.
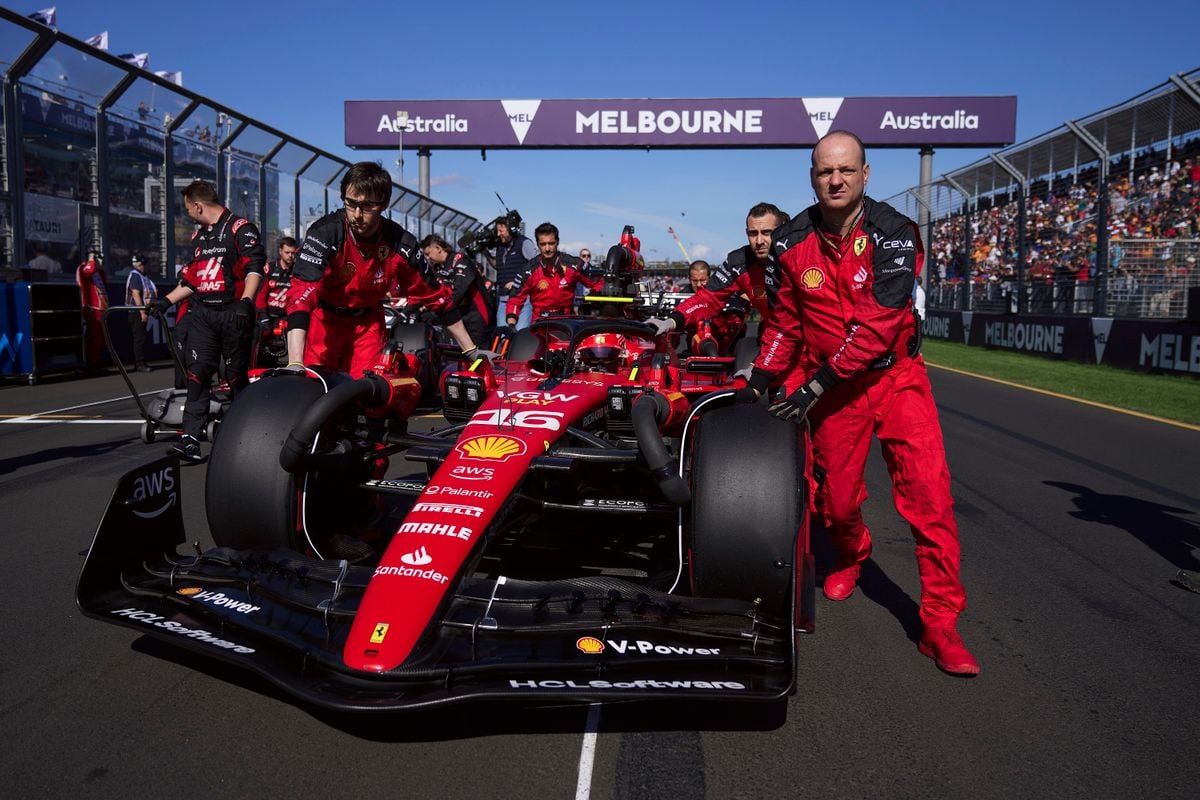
{"type": "Point", "coordinates": [250, 500]}
{"type": "Point", "coordinates": [749, 507]}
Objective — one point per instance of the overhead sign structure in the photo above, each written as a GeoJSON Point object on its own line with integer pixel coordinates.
{"type": "Point", "coordinates": [682, 123]}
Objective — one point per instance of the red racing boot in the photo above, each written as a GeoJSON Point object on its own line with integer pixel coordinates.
{"type": "Point", "coordinates": [947, 650]}
{"type": "Point", "coordinates": [840, 583]}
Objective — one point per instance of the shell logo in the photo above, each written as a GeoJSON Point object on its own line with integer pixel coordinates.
{"type": "Point", "coordinates": [491, 448]}
{"type": "Point", "coordinates": [188, 591]}
{"type": "Point", "coordinates": [760, 291]}
{"type": "Point", "coordinates": [543, 286]}
{"type": "Point", "coordinates": [812, 278]}
{"type": "Point", "coordinates": [590, 645]}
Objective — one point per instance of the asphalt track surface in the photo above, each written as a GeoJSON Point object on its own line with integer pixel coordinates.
{"type": "Point", "coordinates": [1074, 519]}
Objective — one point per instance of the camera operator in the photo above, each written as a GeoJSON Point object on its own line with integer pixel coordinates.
{"type": "Point", "coordinates": [461, 274]}
{"type": "Point", "coordinates": [513, 254]}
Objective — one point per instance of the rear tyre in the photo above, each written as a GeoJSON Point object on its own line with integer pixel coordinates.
{"type": "Point", "coordinates": [524, 346]}
{"type": "Point", "coordinates": [148, 432]}
{"type": "Point", "coordinates": [417, 339]}
{"type": "Point", "coordinates": [749, 501]}
{"type": "Point", "coordinates": [251, 502]}
{"type": "Point", "coordinates": [744, 353]}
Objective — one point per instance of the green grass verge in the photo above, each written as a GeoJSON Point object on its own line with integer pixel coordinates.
{"type": "Point", "coordinates": [1174, 397]}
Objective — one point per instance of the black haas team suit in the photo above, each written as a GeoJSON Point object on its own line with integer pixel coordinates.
{"type": "Point", "coordinates": [271, 300]}
{"type": "Point", "coordinates": [223, 255]}
{"type": "Point", "coordinates": [470, 294]}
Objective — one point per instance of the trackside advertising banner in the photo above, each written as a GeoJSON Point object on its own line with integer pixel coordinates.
{"type": "Point", "coordinates": [700, 122]}
{"type": "Point", "coordinates": [1172, 346]}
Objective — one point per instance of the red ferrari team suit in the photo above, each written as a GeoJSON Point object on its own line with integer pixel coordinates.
{"type": "Point", "coordinates": [338, 287]}
{"type": "Point", "coordinates": [93, 297]}
{"type": "Point", "coordinates": [223, 255]}
{"type": "Point", "coordinates": [852, 298]}
{"type": "Point", "coordinates": [740, 273]}
{"type": "Point", "coordinates": [551, 287]}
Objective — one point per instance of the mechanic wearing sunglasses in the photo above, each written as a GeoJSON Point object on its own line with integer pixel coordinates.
{"type": "Point", "coordinates": [349, 262]}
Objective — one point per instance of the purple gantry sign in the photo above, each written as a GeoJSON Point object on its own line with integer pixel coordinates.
{"type": "Point", "coordinates": [701, 122]}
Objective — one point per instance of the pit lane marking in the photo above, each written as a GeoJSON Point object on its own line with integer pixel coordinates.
{"type": "Point", "coordinates": [59, 421]}
{"type": "Point", "coordinates": [35, 416]}
{"type": "Point", "coordinates": [1126, 411]}
{"type": "Point", "coordinates": [587, 753]}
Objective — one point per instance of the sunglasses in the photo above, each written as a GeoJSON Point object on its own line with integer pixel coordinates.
{"type": "Point", "coordinates": [365, 205]}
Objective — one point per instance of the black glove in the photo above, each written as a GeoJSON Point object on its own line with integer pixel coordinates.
{"type": "Point", "coordinates": [756, 386]}
{"type": "Point", "coordinates": [244, 311]}
{"type": "Point", "coordinates": [159, 307]}
{"type": "Point", "coordinates": [478, 352]}
{"type": "Point", "coordinates": [795, 406]}
{"type": "Point", "coordinates": [507, 331]}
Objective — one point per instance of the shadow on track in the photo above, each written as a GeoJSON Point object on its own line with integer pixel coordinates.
{"type": "Point", "coordinates": [8, 465]}
{"type": "Point", "coordinates": [874, 584]}
{"type": "Point", "coordinates": [474, 719]}
{"type": "Point", "coordinates": [1153, 524]}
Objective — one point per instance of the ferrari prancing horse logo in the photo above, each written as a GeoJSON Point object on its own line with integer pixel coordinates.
{"type": "Point", "coordinates": [860, 244]}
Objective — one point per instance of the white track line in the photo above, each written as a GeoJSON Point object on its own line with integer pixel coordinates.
{"type": "Point", "coordinates": [587, 755]}
{"type": "Point", "coordinates": [31, 417]}
{"type": "Point", "coordinates": [33, 421]}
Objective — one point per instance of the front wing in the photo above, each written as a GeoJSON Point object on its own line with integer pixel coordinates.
{"type": "Point", "coordinates": [286, 617]}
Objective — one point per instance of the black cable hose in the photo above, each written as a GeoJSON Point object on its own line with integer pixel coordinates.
{"type": "Point", "coordinates": [650, 409]}
{"type": "Point", "coordinates": [370, 390]}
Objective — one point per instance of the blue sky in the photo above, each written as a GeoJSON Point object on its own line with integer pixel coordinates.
{"type": "Point", "coordinates": [293, 64]}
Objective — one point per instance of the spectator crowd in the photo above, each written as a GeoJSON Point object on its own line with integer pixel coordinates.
{"type": "Point", "coordinates": [1152, 225]}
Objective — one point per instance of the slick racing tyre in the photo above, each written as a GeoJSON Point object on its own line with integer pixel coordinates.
{"type": "Point", "coordinates": [524, 346]}
{"type": "Point", "coordinates": [749, 500]}
{"type": "Point", "coordinates": [415, 338]}
{"type": "Point", "coordinates": [744, 353]}
{"type": "Point", "coordinates": [251, 502]}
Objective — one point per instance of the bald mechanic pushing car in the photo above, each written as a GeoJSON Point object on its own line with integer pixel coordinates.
{"type": "Point", "coordinates": [349, 262]}
{"type": "Point", "coordinates": [843, 272]}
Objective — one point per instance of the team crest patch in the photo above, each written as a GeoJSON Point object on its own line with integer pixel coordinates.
{"type": "Point", "coordinates": [812, 278]}
{"type": "Point", "coordinates": [860, 244]}
{"type": "Point", "coordinates": [383, 252]}
{"type": "Point", "coordinates": [760, 291]}
{"type": "Point", "coordinates": [542, 286]}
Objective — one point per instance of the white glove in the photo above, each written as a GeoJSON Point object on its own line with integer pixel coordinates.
{"type": "Point", "coordinates": [661, 326]}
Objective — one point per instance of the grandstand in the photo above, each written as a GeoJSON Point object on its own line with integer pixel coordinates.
{"type": "Point", "coordinates": [1024, 229]}
{"type": "Point", "coordinates": [90, 144]}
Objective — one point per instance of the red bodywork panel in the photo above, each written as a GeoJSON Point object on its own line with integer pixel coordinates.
{"type": "Point", "coordinates": [440, 534]}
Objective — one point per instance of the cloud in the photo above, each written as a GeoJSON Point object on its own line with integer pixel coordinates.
{"type": "Point", "coordinates": [453, 179]}
{"type": "Point", "coordinates": [700, 250]}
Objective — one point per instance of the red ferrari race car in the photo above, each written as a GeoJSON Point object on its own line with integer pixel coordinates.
{"type": "Point", "coordinates": [592, 523]}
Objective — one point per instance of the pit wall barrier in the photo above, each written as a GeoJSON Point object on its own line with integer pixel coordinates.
{"type": "Point", "coordinates": [1133, 344]}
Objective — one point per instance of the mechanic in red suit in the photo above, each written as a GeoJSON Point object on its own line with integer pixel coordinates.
{"type": "Point", "coordinates": [548, 280]}
{"type": "Point", "coordinates": [741, 273]}
{"type": "Point", "coordinates": [93, 296]}
{"type": "Point", "coordinates": [348, 262]}
{"type": "Point", "coordinates": [843, 272]}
